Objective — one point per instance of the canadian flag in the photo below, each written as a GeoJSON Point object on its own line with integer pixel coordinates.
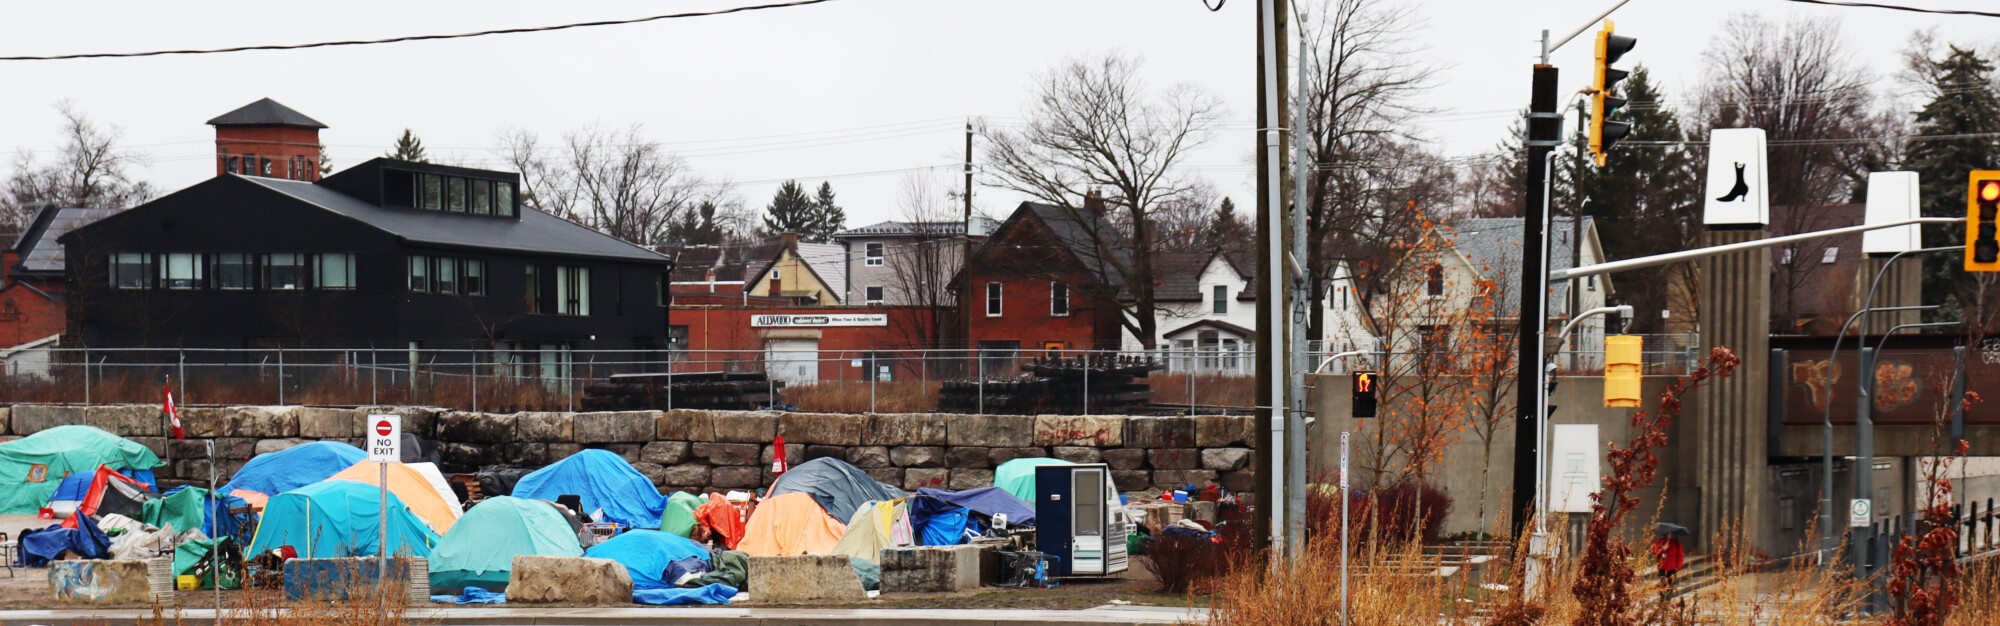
{"type": "Point", "coordinates": [173, 416]}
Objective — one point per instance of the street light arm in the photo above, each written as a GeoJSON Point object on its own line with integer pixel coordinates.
{"type": "Point", "coordinates": [1893, 329]}
{"type": "Point", "coordinates": [1330, 359]}
{"type": "Point", "coordinates": [1684, 255]}
{"type": "Point", "coordinates": [1563, 337]}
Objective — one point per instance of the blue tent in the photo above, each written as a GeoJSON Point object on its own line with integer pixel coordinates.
{"type": "Point", "coordinates": [646, 555]}
{"type": "Point", "coordinates": [273, 473]}
{"type": "Point", "coordinates": [837, 486]}
{"type": "Point", "coordinates": [987, 501]}
{"type": "Point", "coordinates": [937, 522]}
{"type": "Point", "coordinates": [604, 481]}
{"type": "Point", "coordinates": [339, 518]}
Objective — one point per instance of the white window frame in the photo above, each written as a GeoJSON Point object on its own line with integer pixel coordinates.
{"type": "Point", "coordinates": [1830, 255]}
{"type": "Point", "coordinates": [1055, 288]}
{"type": "Point", "coordinates": [874, 294]}
{"type": "Point", "coordinates": [995, 306]}
{"type": "Point", "coordinates": [873, 253]}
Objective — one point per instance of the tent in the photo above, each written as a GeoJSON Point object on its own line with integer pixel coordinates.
{"type": "Point", "coordinates": [32, 468]}
{"type": "Point", "coordinates": [480, 549]}
{"type": "Point", "coordinates": [605, 482]}
{"type": "Point", "coordinates": [790, 524]}
{"type": "Point", "coordinates": [646, 555]}
{"type": "Point", "coordinates": [872, 529]}
{"type": "Point", "coordinates": [839, 488]}
{"type": "Point", "coordinates": [273, 473]}
{"type": "Point", "coordinates": [190, 508]}
{"type": "Point", "coordinates": [679, 517]}
{"type": "Point", "coordinates": [339, 518]}
{"type": "Point", "coordinates": [410, 486]}
{"type": "Point", "coordinates": [937, 522]}
{"type": "Point", "coordinates": [722, 518]}
{"type": "Point", "coordinates": [108, 492]}
{"type": "Point", "coordinates": [438, 482]}
{"type": "Point", "coordinates": [1018, 476]}
{"type": "Point", "coordinates": [988, 501]}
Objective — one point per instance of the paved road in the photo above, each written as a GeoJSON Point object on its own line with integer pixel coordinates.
{"type": "Point", "coordinates": [676, 616]}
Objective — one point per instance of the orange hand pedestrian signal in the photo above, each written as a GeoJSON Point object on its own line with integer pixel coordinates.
{"type": "Point", "coordinates": [1364, 393]}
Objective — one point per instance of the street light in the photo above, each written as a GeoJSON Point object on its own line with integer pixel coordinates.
{"type": "Point", "coordinates": [1538, 544]}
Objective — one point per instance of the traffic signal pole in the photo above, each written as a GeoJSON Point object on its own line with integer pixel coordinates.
{"type": "Point", "coordinates": [1544, 133]}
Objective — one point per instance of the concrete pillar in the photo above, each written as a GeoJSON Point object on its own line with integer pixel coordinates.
{"type": "Point", "coordinates": [1728, 421]}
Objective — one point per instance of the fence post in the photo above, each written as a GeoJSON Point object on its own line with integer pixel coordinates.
{"type": "Point", "coordinates": [872, 377]}
{"type": "Point", "coordinates": [1086, 383]}
{"type": "Point", "coordinates": [982, 382]}
{"type": "Point", "coordinates": [372, 393]}
{"type": "Point", "coordinates": [281, 376]}
{"type": "Point", "coordinates": [181, 373]}
{"type": "Point", "coordinates": [86, 376]}
{"type": "Point", "coordinates": [475, 381]}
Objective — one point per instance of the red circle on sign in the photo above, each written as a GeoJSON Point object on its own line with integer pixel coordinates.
{"type": "Point", "coordinates": [382, 428]}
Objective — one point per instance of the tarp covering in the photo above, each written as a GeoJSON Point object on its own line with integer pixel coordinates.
{"type": "Point", "coordinates": [604, 481]}
{"type": "Point", "coordinates": [839, 488]}
{"type": "Point", "coordinates": [109, 492]}
{"type": "Point", "coordinates": [273, 473]}
{"type": "Point", "coordinates": [190, 508]}
{"type": "Point", "coordinates": [480, 549]}
{"type": "Point", "coordinates": [471, 595]}
{"type": "Point", "coordinates": [410, 486]}
{"type": "Point", "coordinates": [722, 517]}
{"type": "Point", "coordinates": [40, 546]}
{"type": "Point", "coordinates": [495, 480]}
{"type": "Point", "coordinates": [679, 516]}
{"type": "Point", "coordinates": [939, 523]}
{"type": "Point", "coordinates": [716, 593]}
{"type": "Point", "coordinates": [339, 518]}
{"type": "Point", "coordinates": [988, 501]}
{"type": "Point", "coordinates": [646, 555]}
{"type": "Point", "coordinates": [193, 555]}
{"type": "Point", "coordinates": [870, 530]}
{"type": "Point", "coordinates": [729, 568]}
{"type": "Point", "coordinates": [52, 455]}
{"type": "Point", "coordinates": [790, 524]}
{"type": "Point", "coordinates": [1018, 476]}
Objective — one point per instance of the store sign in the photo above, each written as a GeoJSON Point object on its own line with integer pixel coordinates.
{"type": "Point", "coordinates": [819, 321]}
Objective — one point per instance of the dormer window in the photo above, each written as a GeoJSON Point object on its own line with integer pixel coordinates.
{"type": "Point", "coordinates": [482, 197]}
{"type": "Point", "coordinates": [444, 192]}
{"type": "Point", "coordinates": [433, 193]}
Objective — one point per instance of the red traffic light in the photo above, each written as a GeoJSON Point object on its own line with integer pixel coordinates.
{"type": "Point", "coordinates": [1990, 191]}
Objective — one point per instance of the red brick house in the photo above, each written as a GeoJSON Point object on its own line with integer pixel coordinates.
{"type": "Point", "coordinates": [32, 287]}
{"type": "Point", "coordinates": [1036, 287]}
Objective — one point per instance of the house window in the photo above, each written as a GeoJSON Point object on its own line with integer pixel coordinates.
{"type": "Point", "coordinates": [993, 299]}
{"type": "Point", "coordinates": [1832, 254]}
{"type": "Point", "coordinates": [232, 271]}
{"type": "Point", "coordinates": [249, 167]}
{"type": "Point", "coordinates": [284, 271]}
{"type": "Point", "coordinates": [229, 164]}
{"type": "Point", "coordinates": [1211, 349]}
{"type": "Point", "coordinates": [1230, 348]}
{"type": "Point", "coordinates": [1221, 298]}
{"type": "Point", "coordinates": [503, 199]}
{"type": "Point", "coordinates": [264, 165]}
{"type": "Point", "coordinates": [1433, 339]}
{"type": "Point", "coordinates": [420, 273]}
{"type": "Point", "coordinates": [454, 194]}
{"type": "Point", "coordinates": [1434, 286]}
{"type": "Point", "coordinates": [875, 249]}
{"type": "Point", "coordinates": [573, 290]}
{"type": "Point", "coordinates": [297, 171]}
{"type": "Point", "coordinates": [130, 270]}
{"type": "Point", "coordinates": [482, 197]}
{"type": "Point", "coordinates": [1343, 298]}
{"type": "Point", "coordinates": [1185, 361]}
{"type": "Point", "coordinates": [1786, 258]}
{"type": "Point", "coordinates": [333, 271]}
{"type": "Point", "coordinates": [875, 294]}
{"type": "Point", "coordinates": [433, 193]}
{"type": "Point", "coordinates": [444, 277]}
{"type": "Point", "coordinates": [180, 270]}
{"type": "Point", "coordinates": [532, 291]}
{"type": "Point", "coordinates": [1590, 283]}
{"type": "Point", "coordinates": [1058, 299]}
{"type": "Point", "coordinates": [472, 277]}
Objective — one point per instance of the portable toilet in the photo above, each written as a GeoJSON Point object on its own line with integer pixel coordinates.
{"type": "Point", "coordinates": [1079, 520]}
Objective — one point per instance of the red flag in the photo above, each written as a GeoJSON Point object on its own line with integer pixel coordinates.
{"type": "Point", "coordinates": [778, 465]}
{"type": "Point", "coordinates": [173, 416]}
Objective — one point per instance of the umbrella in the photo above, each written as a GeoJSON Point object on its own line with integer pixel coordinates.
{"type": "Point", "coordinates": [1668, 529]}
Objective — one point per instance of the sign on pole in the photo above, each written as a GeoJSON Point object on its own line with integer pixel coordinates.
{"type": "Point", "coordinates": [385, 438]}
{"type": "Point", "coordinates": [1892, 197]}
{"type": "Point", "coordinates": [1737, 196]}
{"type": "Point", "coordinates": [1860, 512]}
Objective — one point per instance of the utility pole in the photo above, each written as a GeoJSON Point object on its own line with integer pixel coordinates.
{"type": "Point", "coordinates": [965, 298]}
{"type": "Point", "coordinates": [1544, 132]}
{"type": "Point", "coordinates": [1271, 348]}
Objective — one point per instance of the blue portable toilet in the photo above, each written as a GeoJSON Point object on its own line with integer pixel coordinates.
{"type": "Point", "coordinates": [1079, 521]}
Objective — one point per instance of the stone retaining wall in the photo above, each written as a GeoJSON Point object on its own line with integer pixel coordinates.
{"type": "Point", "coordinates": [703, 450]}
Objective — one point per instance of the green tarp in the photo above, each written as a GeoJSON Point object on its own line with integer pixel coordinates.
{"type": "Point", "coordinates": [479, 550]}
{"type": "Point", "coordinates": [731, 568]}
{"type": "Point", "coordinates": [55, 453]}
{"type": "Point", "coordinates": [181, 510]}
{"type": "Point", "coordinates": [191, 554]}
{"type": "Point", "coordinates": [679, 518]}
{"type": "Point", "coordinates": [1018, 476]}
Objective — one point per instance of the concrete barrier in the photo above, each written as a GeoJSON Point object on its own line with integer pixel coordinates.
{"type": "Point", "coordinates": [337, 579]}
{"type": "Point", "coordinates": [100, 582]}
{"type": "Point", "coordinates": [930, 568]}
{"type": "Point", "coordinates": [569, 579]}
{"type": "Point", "coordinates": [809, 579]}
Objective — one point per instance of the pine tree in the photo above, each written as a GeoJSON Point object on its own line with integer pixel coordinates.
{"type": "Point", "coordinates": [1227, 230]}
{"type": "Point", "coordinates": [408, 148]}
{"type": "Point", "coordinates": [1967, 109]}
{"type": "Point", "coordinates": [790, 211]}
{"type": "Point", "coordinates": [696, 228]}
{"type": "Point", "coordinates": [828, 217]}
{"type": "Point", "coordinates": [325, 162]}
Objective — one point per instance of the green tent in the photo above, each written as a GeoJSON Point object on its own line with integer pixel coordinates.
{"type": "Point", "coordinates": [181, 510]}
{"type": "Point", "coordinates": [479, 550]}
{"type": "Point", "coordinates": [31, 468]}
{"type": "Point", "coordinates": [679, 517]}
{"type": "Point", "coordinates": [1018, 476]}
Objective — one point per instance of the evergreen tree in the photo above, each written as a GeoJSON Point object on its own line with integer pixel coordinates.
{"type": "Point", "coordinates": [408, 148]}
{"type": "Point", "coordinates": [829, 218]}
{"type": "Point", "coordinates": [325, 162]}
{"type": "Point", "coordinates": [1966, 109]}
{"type": "Point", "coordinates": [1227, 230]}
{"type": "Point", "coordinates": [697, 228]}
{"type": "Point", "coordinates": [1646, 197]}
{"type": "Point", "coordinates": [790, 211]}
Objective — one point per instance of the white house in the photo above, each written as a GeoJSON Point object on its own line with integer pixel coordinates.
{"type": "Point", "coordinates": [1443, 276]}
{"type": "Point", "coordinates": [1205, 312]}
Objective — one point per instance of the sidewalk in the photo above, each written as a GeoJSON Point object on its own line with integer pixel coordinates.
{"type": "Point", "coordinates": [674, 616]}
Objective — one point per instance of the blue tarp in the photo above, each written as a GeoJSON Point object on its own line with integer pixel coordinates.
{"type": "Point", "coordinates": [338, 518]}
{"type": "Point", "coordinates": [987, 501]}
{"type": "Point", "coordinates": [472, 595]}
{"type": "Point", "coordinates": [75, 487]}
{"type": "Point", "coordinates": [646, 554]}
{"type": "Point", "coordinates": [604, 481]}
{"type": "Point", "coordinates": [838, 487]}
{"type": "Point", "coordinates": [937, 522]}
{"type": "Point", "coordinates": [273, 473]}
{"type": "Point", "coordinates": [38, 547]}
{"type": "Point", "coordinates": [715, 593]}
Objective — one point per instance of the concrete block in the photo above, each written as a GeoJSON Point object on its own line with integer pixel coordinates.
{"type": "Point", "coordinates": [323, 423]}
{"type": "Point", "coordinates": [468, 427]}
{"type": "Point", "coordinates": [1101, 431]}
{"type": "Point", "coordinates": [225, 448]}
{"type": "Point", "coordinates": [907, 429]}
{"type": "Point", "coordinates": [1003, 455]}
{"type": "Point", "coordinates": [869, 457]}
{"type": "Point", "coordinates": [5, 419]}
{"type": "Point", "coordinates": [157, 444]}
{"type": "Point", "coordinates": [127, 420]}
{"type": "Point", "coordinates": [664, 452]}
{"type": "Point", "coordinates": [677, 425]}
{"type": "Point", "coordinates": [930, 568]}
{"type": "Point", "coordinates": [685, 475]}
{"type": "Point", "coordinates": [524, 454]}
{"type": "Point", "coordinates": [544, 426]}
{"type": "Point", "coordinates": [1160, 432]}
{"type": "Point", "coordinates": [467, 456]}
{"type": "Point", "coordinates": [887, 475]}
{"type": "Point", "coordinates": [737, 477]}
{"type": "Point", "coordinates": [795, 453]}
{"type": "Point", "coordinates": [918, 478]}
{"type": "Point", "coordinates": [616, 427]}
{"type": "Point", "coordinates": [1218, 431]}
{"type": "Point", "coordinates": [1205, 511]}
{"type": "Point", "coordinates": [743, 426]}
{"type": "Point", "coordinates": [568, 579]}
{"type": "Point", "coordinates": [833, 429]}
{"type": "Point", "coordinates": [1132, 480]}
{"type": "Point", "coordinates": [421, 421]}
{"type": "Point", "coordinates": [29, 419]}
{"type": "Point", "coordinates": [1076, 454]}
{"type": "Point", "coordinates": [333, 579]}
{"type": "Point", "coordinates": [263, 422]}
{"type": "Point", "coordinates": [971, 478]}
{"type": "Point", "coordinates": [653, 472]}
{"type": "Point", "coordinates": [1242, 481]}
{"type": "Point", "coordinates": [968, 457]}
{"type": "Point", "coordinates": [99, 582]}
{"type": "Point", "coordinates": [1225, 459]}
{"type": "Point", "coordinates": [1174, 458]}
{"type": "Point", "coordinates": [917, 456]}
{"type": "Point", "coordinates": [560, 451]}
{"type": "Point", "coordinates": [1125, 458]}
{"type": "Point", "coordinates": [1199, 477]}
{"type": "Point", "coordinates": [808, 579]}
{"type": "Point", "coordinates": [726, 453]}
{"type": "Point", "coordinates": [1169, 479]}
{"type": "Point", "coordinates": [266, 446]}
{"type": "Point", "coordinates": [993, 431]}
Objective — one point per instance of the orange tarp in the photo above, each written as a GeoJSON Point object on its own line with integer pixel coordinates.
{"type": "Point", "coordinates": [410, 486]}
{"type": "Point", "coordinates": [722, 517]}
{"type": "Point", "coordinates": [790, 524]}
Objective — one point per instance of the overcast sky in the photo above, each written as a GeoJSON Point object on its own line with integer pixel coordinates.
{"type": "Point", "coordinates": [857, 92]}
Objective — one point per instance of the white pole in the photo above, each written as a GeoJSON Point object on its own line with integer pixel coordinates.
{"type": "Point", "coordinates": [215, 543]}
{"type": "Point", "coordinates": [1273, 290]}
{"type": "Point", "coordinates": [1346, 500]}
{"type": "Point", "coordinates": [382, 532]}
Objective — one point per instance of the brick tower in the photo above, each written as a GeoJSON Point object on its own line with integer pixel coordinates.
{"type": "Point", "coordinates": [267, 139]}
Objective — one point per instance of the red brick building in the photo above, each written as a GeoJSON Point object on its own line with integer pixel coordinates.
{"type": "Point", "coordinates": [1038, 287]}
{"type": "Point", "coordinates": [267, 139]}
{"type": "Point", "coordinates": [32, 288]}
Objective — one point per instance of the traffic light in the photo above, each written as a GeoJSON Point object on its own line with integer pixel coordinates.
{"type": "Point", "coordinates": [1621, 370]}
{"type": "Point", "coordinates": [1364, 392]}
{"type": "Point", "coordinates": [1982, 209]}
{"type": "Point", "coordinates": [1603, 131]}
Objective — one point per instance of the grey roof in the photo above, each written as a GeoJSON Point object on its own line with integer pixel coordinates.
{"type": "Point", "coordinates": [265, 112]}
{"type": "Point", "coordinates": [1493, 244]}
{"type": "Point", "coordinates": [40, 251]}
{"type": "Point", "coordinates": [536, 231]}
{"type": "Point", "coordinates": [1179, 275]}
{"type": "Point", "coordinates": [1079, 230]}
{"type": "Point", "coordinates": [981, 225]}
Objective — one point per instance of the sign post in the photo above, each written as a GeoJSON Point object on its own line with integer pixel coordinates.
{"type": "Point", "coordinates": [1346, 500]}
{"type": "Point", "coordinates": [385, 446]}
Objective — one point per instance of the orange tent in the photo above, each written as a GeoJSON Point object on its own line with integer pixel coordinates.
{"type": "Point", "coordinates": [790, 524]}
{"type": "Point", "coordinates": [723, 518]}
{"type": "Point", "coordinates": [410, 486]}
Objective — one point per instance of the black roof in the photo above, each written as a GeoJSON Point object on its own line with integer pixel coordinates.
{"type": "Point", "coordinates": [40, 247]}
{"type": "Point", "coordinates": [265, 112]}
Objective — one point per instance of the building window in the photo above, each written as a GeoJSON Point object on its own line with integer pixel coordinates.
{"type": "Point", "coordinates": [1786, 258]}
{"type": "Point", "coordinates": [444, 275]}
{"type": "Point", "coordinates": [298, 169]}
{"type": "Point", "coordinates": [1220, 294]}
{"type": "Point", "coordinates": [333, 271]}
{"type": "Point", "coordinates": [1832, 254]}
{"type": "Point", "coordinates": [1210, 343]}
{"type": "Point", "coordinates": [1433, 340]}
{"type": "Point", "coordinates": [249, 165]}
{"type": "Point", "coordinates": [1058, 299]}
{"type": "Point", "coordinates": [472, 277]}
{"type": "Point", "coordinates": [420, 273]}
{"type": "Point", "coordinates": [284, 270]}
{"type": "Point", "coordinates": [875, 294]}
{"type": "Point", "coordinates": [180, 270]}
{"type": "Point", "coordinates": [875, 250]}
{"type": "Point", "coordinates": [573, 290]}
{"type": "Point", "coordinates": [229, 164]}
{"type": "Point", "coordinates": [131, 270]}
{"type": "Point", "coordinates": [993, 299]}
{"type": "Point", "coordinates": [532, 291]}
{"type": "Point", "coordinates": [503, 199]}
{"type": "Point", "coordinates": [264, 165]}
{"type": "Point", "coordinates": [1343, 298]}
{"type": "Point", "coordinates": [232, 271]}
{"type": "Point", "coordinates": [1434, 284]}
{"type": "Point", "coordinates": [433, 193]}
{"type": "Point", "coordinates": [1590, 283]}
{"type": "Point", "coordinates": [482, 197]}
{"type": "Point", "coordinates": [454, 194]}
{"type": "Point", "coordinates": [661, 283]}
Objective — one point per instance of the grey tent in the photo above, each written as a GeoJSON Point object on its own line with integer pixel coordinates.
{"type": "Point", "coordinates": [838, 487]}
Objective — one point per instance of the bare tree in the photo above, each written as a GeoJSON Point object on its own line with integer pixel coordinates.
{"type": "Point", "coordinates": [1095, 128]}
{"type": "Point", "coordinates": [616, 181]}
{"type": "Point", "coordinates": [1799, 83]}
{"type": "Point", "coordinates": [90, 169]}
{"type": "Point", "coordinates": [922, 265]}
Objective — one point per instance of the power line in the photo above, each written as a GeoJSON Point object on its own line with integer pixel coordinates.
{"type": "Point", "coordinates": [406, 38]}
{"type": "Point", "coordinates": [1895, 7]}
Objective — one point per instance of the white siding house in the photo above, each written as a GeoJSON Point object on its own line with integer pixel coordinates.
{"type": "Point", "coordinates": [1206, 313]}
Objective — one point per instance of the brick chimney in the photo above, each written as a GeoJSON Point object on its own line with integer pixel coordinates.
{"type": "Point", "coordinates": [1093, 202]}
{"type": "Point", "coordinates": [267, 139]}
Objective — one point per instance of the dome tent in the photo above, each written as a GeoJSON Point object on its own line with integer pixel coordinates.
{"type": "Point", "coordinates": [480, 549]}
{"type": "Point", "coordinates": [839, 487]}
{"type": "Point", "coordinates": [338, 518]}
{"type": "Point", "coordinates": [1018, 476]}
{"type": "Point", "coordinates": [604, 482]}
{"type": "Point", "coordinates": [32, 468]}
{"type": "Point", "coordinates": [411, 487]}
{"type": "Point", "coordinates": [273, 473]}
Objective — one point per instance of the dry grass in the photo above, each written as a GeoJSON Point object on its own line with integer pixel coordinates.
{"type": "Point", "coordinates": [1978, 594]}
{"type": "Point", "coordinates": [853, 397]}
{"type": "Point", "coordinates": [1209, 389]}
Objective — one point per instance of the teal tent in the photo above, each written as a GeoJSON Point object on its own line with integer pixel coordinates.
{"type": "Point", "coordinates": [338, 518]}
{"type": "Point", "coordinates": [679, 517]}
{"type": "Point", "coordinates": [32, 468]}
{"type": "Point", "coordinates": [479, 550]}
{"type": "Point", "coordinates": [1018, 476]}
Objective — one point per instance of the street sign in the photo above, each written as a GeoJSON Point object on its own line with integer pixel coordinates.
{"type": "Point", "coordinates": [385, 438]}
{"type": "Point", "coordinates": [1343, 464]}
{"type": "Point", "coordinates": [1892, 197]}
{"type": "Point", "coordinates": [1738, 194]}
{"type": "Point", "coordinates": [1860, 513]}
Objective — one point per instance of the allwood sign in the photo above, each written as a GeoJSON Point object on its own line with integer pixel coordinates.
{"type": "Point", "coordinates": [819, 321]}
